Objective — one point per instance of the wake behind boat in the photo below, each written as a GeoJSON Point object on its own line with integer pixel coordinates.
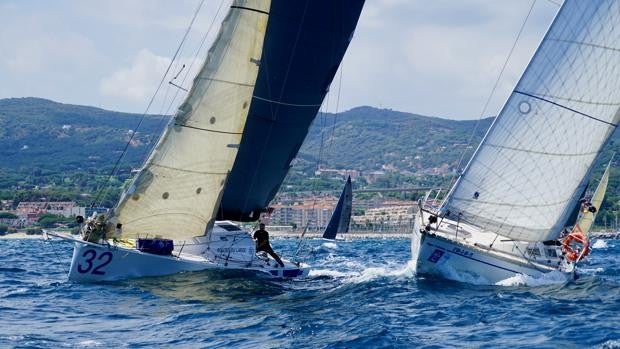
{"type": "Point", "coordinates": [510, 209]}
{"type": "Point", "coordinates": [227, 150]}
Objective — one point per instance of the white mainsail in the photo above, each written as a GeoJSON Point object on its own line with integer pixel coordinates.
{"type": "Point", "coordinates": [177, 192]}
{"type": "Point", "coordinates": [530, 168]}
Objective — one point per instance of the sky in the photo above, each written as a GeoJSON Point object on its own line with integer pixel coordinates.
{"type": "Point", "coordinates": [429, 57]}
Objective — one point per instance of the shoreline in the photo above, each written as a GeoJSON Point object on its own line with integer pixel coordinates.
{"type": "Point", "coordinates": [20, 236]}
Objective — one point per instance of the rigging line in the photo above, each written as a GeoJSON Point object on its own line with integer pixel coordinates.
{"type": "Point", "coordinates": [185, 75]}
{"type": "Point", "coordinates": [331, 139]}
{"type": "Point", "coordinates": [567, 108]}
{"type": "Point", "coordinates": [161, 82]}
{"type": "Point", "coordinates": [488, 101]}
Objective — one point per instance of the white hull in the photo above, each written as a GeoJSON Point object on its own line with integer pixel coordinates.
{"type": "Point", "coordinates": [466, 259]}
{"type": "Point", "coordinates": [94, 262]}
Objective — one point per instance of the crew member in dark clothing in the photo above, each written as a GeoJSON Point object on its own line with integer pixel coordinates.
{"type": "Point", "coordinates": [262, 243]}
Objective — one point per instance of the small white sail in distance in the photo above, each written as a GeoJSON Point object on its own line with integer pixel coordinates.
{"type": "Point", "coordinates": [585, 222]}
{"type": "Point", "coordinates": [178, 190]}
{"type": "Point", "coordinates": [535, 159]}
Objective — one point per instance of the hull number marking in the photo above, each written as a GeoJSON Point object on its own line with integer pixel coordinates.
{"type": "Point", "coordinates": [435, 256]}
{"type": "Point", "coordinates": [89, 263]}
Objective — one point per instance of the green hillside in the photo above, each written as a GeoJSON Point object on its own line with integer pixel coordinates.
{"type": "Point", "coordinates": [49, 149]}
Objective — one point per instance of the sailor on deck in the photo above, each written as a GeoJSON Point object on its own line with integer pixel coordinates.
{"type": "Point", "coordinates": [262, 243]}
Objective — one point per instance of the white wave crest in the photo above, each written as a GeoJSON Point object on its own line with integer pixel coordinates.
{"type": "Point", "coordinates": [610, 344]}
{"type": "Point", "coordinates": [89, 343]}
{"type": "Point", "coordinates": [551, 278]}
{"type": "Point", "coordinates": [600, 243]}
{"type": "Point", "coordinates": [330, 245]}
{"type": "Point", "coordinates": [372, 273]}
{"type": "Point", "coordinates": [590, 271]}
{"type": "Point", "coordinates": [329, 273]}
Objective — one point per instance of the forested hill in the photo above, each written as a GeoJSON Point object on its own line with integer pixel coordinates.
{"type": "Point", "coordinates": [44, 143]}
{"type": "Point", "coordinates": [42, 135]}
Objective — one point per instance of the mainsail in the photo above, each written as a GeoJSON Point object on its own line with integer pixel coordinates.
{"type": "Point", "coordinates": [534, 161]}
{"type": "Point", "coordinates": [339, 223]}
{"type": "Point", "coordinates": [177, 192]}
{"type": "Point", "coordinates": [587, 218]}
{"type": "Point", "coordinates": [304, 45]}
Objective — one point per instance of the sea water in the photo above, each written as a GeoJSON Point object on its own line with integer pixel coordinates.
{"type": "Point", "coordinates": [360, 294]}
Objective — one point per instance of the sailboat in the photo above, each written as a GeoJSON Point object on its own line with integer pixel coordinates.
{"type": "Point", "coordinates": [590, 208]}
{"type": "Point", "coordinates": [512, 202]}
{"type": "Point", "coordinates": [226, 151]}
{"type": "Point", "coordinates": [339, 222]}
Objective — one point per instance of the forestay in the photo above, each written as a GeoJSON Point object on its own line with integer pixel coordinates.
{"type": "Point", "coordinates": [179, 188]}
{"type": "Point", "coordinates": [534, 161]}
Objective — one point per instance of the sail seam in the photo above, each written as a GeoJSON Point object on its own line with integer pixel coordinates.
{"type": "Point", "coordinates": [565, 107]}
{"type": "Point", "coordinates": [287, 104]}
{"type": "Point", "coordinates": [225, 81]}
{"type": "Point", "coordinates": [207, 130]}
{"type": "Point", "coordinates": [583, 43]}
{"type": "Point", "coordinates": [614, 104]}
{"type": "Point", "coordinates": [188, 171]}
{"type": "Point", "coordinates": [540, 152]}
{"type": "Point", "coordinates": [250, 9]}
{"type": "Point", "coordinates": [510, 205]}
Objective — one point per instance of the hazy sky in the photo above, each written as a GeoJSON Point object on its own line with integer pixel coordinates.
{"type": "Point", "coordinates": [432, 57]}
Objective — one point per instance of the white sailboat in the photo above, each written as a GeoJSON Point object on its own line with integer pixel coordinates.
{"type": "Point", "coordinates": [515, 196]}
{"type": "Point", "coordinates": [165, 221]}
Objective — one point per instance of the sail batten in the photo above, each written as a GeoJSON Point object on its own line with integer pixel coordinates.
{"type": "Point", "coordinates": [570, 109]}
{"type": "Point", "coordinates": [532, 164]}
{"type": "Point", "coordinates": [177, 193]}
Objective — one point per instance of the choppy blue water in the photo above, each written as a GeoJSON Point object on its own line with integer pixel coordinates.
{"type": "Point", "coordinates": [361, 294]}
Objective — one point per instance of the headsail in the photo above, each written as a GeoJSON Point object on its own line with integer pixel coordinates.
{"type": "Point", "coordinates": [530, 167]}
{"type": "Point", "coordinates": [178, 190]}
{"type": "Point", "coordinates": [587, 218]}
{"type": "Point", "coordinates": [339, 223]}
{"type": "Point", "coordinates": [304, 45]}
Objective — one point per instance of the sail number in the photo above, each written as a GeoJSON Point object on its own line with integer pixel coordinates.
{"type": "Point", "coordinates": [89, 263]}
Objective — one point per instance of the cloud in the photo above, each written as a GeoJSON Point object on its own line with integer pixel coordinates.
{"type": "Point", "coordinates": [137, 82]}
{"type": "Point", "coordinates": [439, 58]}
{"type": "Point", "coordinates": [436, 57]}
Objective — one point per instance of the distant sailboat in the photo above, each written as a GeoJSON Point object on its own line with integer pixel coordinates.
{"type": "Point", "coordinates": [590, 209]}
{"type": "Point", "coordinates": [521, 185]}
{"type": "Point", "coordinates": [227, 149]}
{"type": "Point", "coordinates": [339, 223]}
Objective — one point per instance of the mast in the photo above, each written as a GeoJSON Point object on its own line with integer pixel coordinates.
{"type": "Point", "coordinates": [530, 168]}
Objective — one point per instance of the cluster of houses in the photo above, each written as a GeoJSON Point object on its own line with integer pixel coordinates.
{"type": "Point", "coordinates": [28, 213]}
{"type": "Point", "coordinates": [315, 213]}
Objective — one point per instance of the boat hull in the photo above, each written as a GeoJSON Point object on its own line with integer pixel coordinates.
{"type": "Point", "coordinates": [439, 256]}
{"type": "Point", "coordinates": [93, 262]}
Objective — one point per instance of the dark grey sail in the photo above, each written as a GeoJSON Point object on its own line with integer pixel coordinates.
{"type": "Point", "coordinates": [339, 223]}
{"type": "Point", "coordinates": [305, 42]}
